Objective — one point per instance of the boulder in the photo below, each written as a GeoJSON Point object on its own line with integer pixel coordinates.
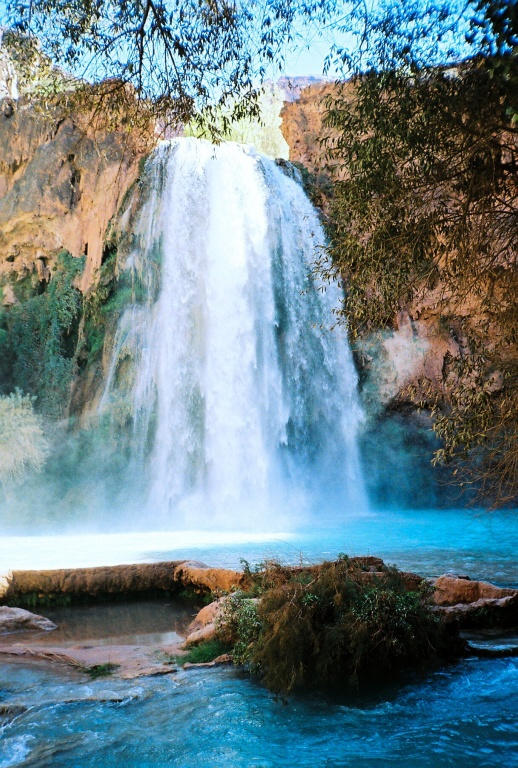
{"type": "Point", "coordinates": [451, 590]}
{"type": "Point", "coordinates": [18, 619]}
{"type": "Point", "coordinates": [475, 603]}
{"type": "Point", "coordinates": [207, 615]}
{"type": "Point", "coordinates": [204, 626]}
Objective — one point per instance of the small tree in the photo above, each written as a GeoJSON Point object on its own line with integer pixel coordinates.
{"type": "Point", "coordinates": [23, 446]}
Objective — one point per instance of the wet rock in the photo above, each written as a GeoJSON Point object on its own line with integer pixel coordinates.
{"type": "Point", "coordinates": [492, 643]}
{"type": "Point", "coordinates": [18, 619]}
{"type": "Point", "coordinates": [125, 661]}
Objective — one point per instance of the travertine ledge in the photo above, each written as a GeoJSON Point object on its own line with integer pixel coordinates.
{"type": "Point", "coordinates": [82, 584]}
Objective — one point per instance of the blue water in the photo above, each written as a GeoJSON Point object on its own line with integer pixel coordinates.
{"type": "Point", "coordinates": [480, 544]}
{"type": "Point", "coordinates": [464, 716]}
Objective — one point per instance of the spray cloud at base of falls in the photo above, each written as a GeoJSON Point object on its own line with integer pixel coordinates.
{"type": "Point", "coordinates": [242, 400]}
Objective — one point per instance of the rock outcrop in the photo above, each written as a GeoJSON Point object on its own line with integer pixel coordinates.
{"type": "Point", "coordinates": [20, 620]}
{"type": "Point", "coordinates": [61, 181]}
{"type": "Point", "coordinates": [451, 589]}
{"type": "Point", "coordinates": [204, 626]}
{"type": "Point", "coordinates": [129, 580]}
{"type": "Point", "coordinates": [475, 603]}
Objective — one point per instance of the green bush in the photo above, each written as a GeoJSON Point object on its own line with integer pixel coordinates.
{"type": "Point", "coordinates": [239, 626]}
{"type": "Point", "coordinates": [23, 446]}
{"type": "Point", "coordinates": [39, 338]}
{"type": "Point", "coordinates": [204, 652]}
{"type": "Point", "coordinates": [101, 670]}
{"type": "Point", "coordinates": [333, 625]}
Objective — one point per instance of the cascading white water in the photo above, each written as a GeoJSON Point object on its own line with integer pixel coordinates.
{"type": "Point", "coordinates": [243, 400]}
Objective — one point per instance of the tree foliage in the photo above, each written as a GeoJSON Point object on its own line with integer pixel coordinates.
{"type": "Point", "coordinates": [23, 446]}
{"type": "Point", "coordinates": [180, 58]}
{"type": "Point", "coordinates": [426, 205]}
{"type": "Point", "coordinates": [38, 342]}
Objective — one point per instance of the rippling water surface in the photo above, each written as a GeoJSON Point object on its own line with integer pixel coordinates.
{"type": "Point", "coordinates": [462, 716]}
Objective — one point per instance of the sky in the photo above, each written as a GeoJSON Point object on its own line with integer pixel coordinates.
{"type": "Point", "coordinates": [306, 55]}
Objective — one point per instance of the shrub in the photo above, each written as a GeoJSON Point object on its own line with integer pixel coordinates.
{"type": "Point", "coordinates": [204, 652]}
{"type": "Point", "coordinates": [333, 624]}
{"type": "Point", "coordinates": [239, 626]}
{"type": "Point", "coordinates": [101, 670]}
{"type": "Point", "coordinates": [23, 446]}
{"type": "Point", "coordinates": [40, 336]}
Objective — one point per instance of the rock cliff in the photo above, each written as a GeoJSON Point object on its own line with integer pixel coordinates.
{"type": "Point", "coordinates": [421, 341]}
{"type": "Point", "coordinates": [61, 181]}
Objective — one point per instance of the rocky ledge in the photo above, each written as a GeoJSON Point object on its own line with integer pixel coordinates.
{"type": "Point", "coordinates": [468, 603]}
{"type": "Point", "coordinates": [474, 604]}
{"type": "Point", "coordinates": [134, 580]}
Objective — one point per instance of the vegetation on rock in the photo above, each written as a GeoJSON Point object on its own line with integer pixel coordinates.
{"type": "Point", "coordinates": [336, 624]}
{"type": "Point", "coordinates": [101, 670]}
{"type": "Point", "coordinates": [38, 337]}
{"type": "Point", "coordinates": [181, 61]}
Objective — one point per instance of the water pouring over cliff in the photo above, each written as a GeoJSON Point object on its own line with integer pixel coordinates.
{"type": "Point", "coordinates": [242, 399]}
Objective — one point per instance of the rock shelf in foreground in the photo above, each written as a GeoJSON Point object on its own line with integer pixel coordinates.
{"type": "Point", "coordinates": [467, 603]}
{"type": "Point", "coordinates": [132, 580]}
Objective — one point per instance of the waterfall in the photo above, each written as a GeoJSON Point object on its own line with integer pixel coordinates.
{"type": "Point", "coordinates": [242, 398]}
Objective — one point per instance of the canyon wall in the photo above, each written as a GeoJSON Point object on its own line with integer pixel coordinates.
{"type": "Point", "coordinates": [429, 332]}
{"type": "Point", "coordinates": [61, 182]}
